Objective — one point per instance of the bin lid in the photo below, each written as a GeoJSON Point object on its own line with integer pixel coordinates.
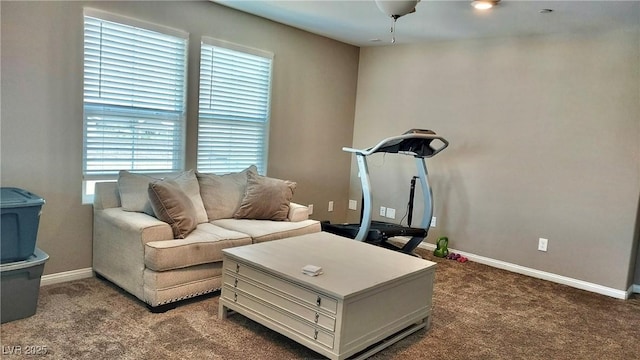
{"type": "Point", "coordinates": [11, 197]}
{"type": "Point", "coordinates": [37, 258]}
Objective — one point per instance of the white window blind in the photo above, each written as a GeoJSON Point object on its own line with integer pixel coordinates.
{"type": "Point", "coordinates": [134, 96]}
{"type": "Point", "coordinates": [235, 87]}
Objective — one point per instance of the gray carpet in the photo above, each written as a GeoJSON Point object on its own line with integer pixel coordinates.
{"type": "Point", "coordinates": [479, 313]}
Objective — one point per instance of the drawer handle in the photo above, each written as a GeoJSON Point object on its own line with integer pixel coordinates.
{"type": "Point", "coordinates": [318, 301]}
{"type": "Point", "coordinates": [317, 316]}
{"type": "Point", "coordinates": [235, 283]}
{"type": "Point", "coordinates": [237, 268]}
{"type": "Point", "coordinates": [315, 334]}
{"type": "Point", "coordinates": [235, 297]}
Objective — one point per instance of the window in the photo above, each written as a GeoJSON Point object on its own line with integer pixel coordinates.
{"type": "Point", "coordinates": [134, 97]}
{"type": "Point", "coordinates": [235, 87]}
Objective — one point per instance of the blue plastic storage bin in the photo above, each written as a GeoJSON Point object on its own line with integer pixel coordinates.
{"type": "Point", "coordinates": [20, 286]}
{"type": "Point", "coordinates": [20, 219]}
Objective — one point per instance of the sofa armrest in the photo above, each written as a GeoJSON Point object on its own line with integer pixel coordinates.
{"type": "Point", "coordinates": [118, 245]}
{"type": "Point", "coordinates": [298, 212]}
{"type": "Point", "coordinates": [133, 225]}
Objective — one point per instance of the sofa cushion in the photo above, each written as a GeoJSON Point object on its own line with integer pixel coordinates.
{"type": "Point", "coordinates": [265, 198]}
{"type": "Point", "coordinates": [133, 192]}
{"type": "Point", "coordinates": [133, 189]}
{"type": "Point", "coordinates": [173, 206]}
{"type": "Point", "coordinates": [203, 245]}
{"type": "Point", "coordinates": [267, 230]}
{"type": "Point", "coordinates": [222, 194]}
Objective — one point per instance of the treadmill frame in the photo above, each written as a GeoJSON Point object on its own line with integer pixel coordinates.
{"type": "Point", "coordinates": [423, 176]}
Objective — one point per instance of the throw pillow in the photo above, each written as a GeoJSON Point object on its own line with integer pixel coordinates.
{"type": "Point", "coordinates": [266, 198]}
{"type": "Point", "coordinates": [133, 192]}
{"type": "Point", "coordinates": [173, 206]}
{"type": "Point", "coordinates": [188, 182]}
{"type": "Point", "coordinates": [222, 194]}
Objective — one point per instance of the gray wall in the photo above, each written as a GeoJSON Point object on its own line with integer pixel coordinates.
{"type": "Point", "coordinates": [313, 102]}
{"type": "Point", "coordinates": [545, 142]}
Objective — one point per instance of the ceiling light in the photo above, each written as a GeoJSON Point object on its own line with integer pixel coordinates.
{"type": "Point", "coordinates": [396, 9]}
{"type": "Point", "coordinates": [484, 4]}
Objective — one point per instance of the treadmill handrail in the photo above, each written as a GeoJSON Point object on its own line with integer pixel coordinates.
{"type": "Point", "coordinates": [398, 139]}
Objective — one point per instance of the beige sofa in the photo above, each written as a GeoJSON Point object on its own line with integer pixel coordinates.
{"type": "Point", "coordinates": [164, 261]}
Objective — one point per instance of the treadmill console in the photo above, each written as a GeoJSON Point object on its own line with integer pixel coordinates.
{"type": "Point", "coordinates": [416, 142]}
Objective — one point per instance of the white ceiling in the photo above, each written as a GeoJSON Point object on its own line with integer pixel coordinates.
{"type": "Point", "coordinates": [358, 22]}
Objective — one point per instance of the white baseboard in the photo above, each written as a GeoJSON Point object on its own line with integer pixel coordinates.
{"type": "Point", "coordinates": [579, 284]}
{"type": "Point", "coordinates": [635, 288]}
{"type": "Point", "coordinates": [66, 276]}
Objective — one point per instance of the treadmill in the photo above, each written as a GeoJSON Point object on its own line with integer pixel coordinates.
{"type": "Point", "coordinates": [418, 143]}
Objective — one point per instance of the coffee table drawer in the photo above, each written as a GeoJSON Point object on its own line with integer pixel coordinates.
{"type": "Point", "coordinates": [264, 293]}
{"type": "Point", "coordinates": [281, 318]}
{"type": "Point", "coordinates": [305, 295]}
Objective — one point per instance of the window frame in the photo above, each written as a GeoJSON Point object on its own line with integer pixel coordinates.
{"type": "Point", "coordinates": [136, 111]}
{"type": "Point", "coordinates": [202, 119]}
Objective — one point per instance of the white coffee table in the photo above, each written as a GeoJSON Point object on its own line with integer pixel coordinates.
{"type": "Point", "coordinates": [365, 295]}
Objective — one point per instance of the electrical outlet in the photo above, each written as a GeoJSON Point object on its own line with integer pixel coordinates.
{"type": "Point", "coordinates": [353, 205]}
{"type": "Point", "coordinates": [542, 244]}
{"type": "Point", "coordinates": [383, 211]}
{"type": "Point", "coordinates": [433, 221]}
{"type": "Point", "coordinates": [391, 213]}
{"type": "Point", "coordinates": [310, 209]}
{"type": "Point", "coordinates": [330, 206]}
